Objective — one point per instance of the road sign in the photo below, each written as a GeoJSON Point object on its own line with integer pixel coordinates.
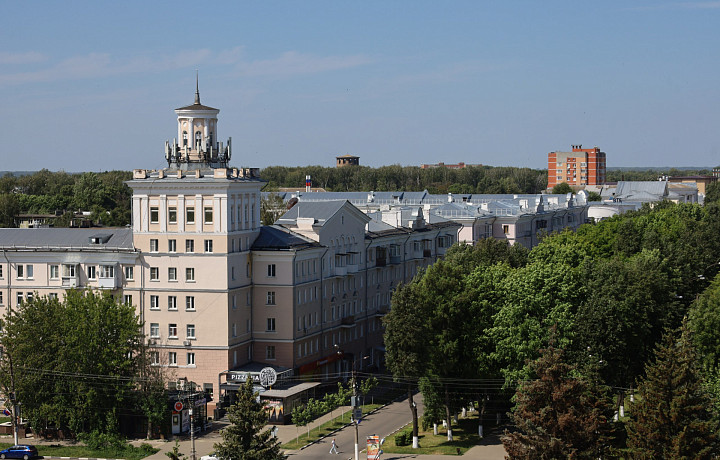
{"type": "Point", "coordinates": [357, 414]}
{"type": "Point", "coordinates": [178, 406]}
{"type": "Point", "coordinates": [7, 412]}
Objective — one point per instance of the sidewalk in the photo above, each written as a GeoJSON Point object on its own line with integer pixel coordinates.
{"type": "Point", "coordinates": [204, 442]}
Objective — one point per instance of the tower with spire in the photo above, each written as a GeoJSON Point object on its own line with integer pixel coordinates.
{"type": "Point", "coordinates": [197, 147]}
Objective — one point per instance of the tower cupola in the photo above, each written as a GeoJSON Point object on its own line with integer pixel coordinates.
{"type": "Point", "coordinates": [197, 147]}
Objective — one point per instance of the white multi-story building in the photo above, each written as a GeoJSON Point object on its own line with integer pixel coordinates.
{"type": "Point", "coordinates": [219, 294]}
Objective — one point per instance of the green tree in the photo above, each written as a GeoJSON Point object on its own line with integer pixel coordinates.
{"type": "Point", "coordinates": [74, 361]}
{"type": "Point", "coordinates": [594, 196]}
{"type": "Point", "coordinates": [712, 193]}
{"type": "Point", "coordinates": [406, 341]}
{"type": "Point", "coordinates": [246, 437]}
{"type": "Point", "coordinates": [9, 210]}
{"type": "Point", "coordinates": [558, 414]}
{"type": "Point", "coordinates": [629, 303]}
{"type": "Point", "coordinates": [562, 188]}
{"type": "Point", "coordinates": [672, 418]}
{"type": "Point", "coordinates": [271, 208]}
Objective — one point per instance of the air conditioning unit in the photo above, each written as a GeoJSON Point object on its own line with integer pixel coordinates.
{"type": "Point", "coordinates": [186, 343]}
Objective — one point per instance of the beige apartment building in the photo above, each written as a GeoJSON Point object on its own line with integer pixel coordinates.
{"type": "Point", "coordinates": [220, 295]}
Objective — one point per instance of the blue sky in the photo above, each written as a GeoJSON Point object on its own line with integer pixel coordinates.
{"type": "Point", "coordinates": [91, 85]}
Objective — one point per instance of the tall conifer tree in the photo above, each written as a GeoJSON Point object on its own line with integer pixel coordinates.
{"type": "Point", "coordinates": [672, 419]}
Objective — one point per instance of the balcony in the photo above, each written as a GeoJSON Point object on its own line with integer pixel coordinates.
{"type": "Point", "coordinates": [348, 321]}
{"type": "Point", "coordinates": [394, 260]}
{"type": "Point", "coordinates": [108, 283]}
{"type": "Point", "coordinates": [381, 263]}
{"type": "Point", "coordinates": [352, 268]}
{"type": "Point", "coordinates": [427, 253]}
{"type": "Point", "coordinates": [70, 281]}
{"type": "Point", "coordinates": [339, 271]}
{"type": "Point", "coordinates": [382, 310]}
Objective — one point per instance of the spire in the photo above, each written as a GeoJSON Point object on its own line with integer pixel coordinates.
{"type": "Point", "coordinates": [197, 89]}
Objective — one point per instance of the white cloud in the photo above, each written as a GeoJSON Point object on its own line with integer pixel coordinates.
{"type": "Point", "coordinates": [30, 57]}
{"type": "Point", "coordinates": [293, 63]}
{"type": "Point", "coordinates": [96, 65]}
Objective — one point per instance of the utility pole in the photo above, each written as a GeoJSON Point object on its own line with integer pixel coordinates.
{"type": "Point", "coordinates": [356, 419]}
{"type": "Point", "coordinates": [192, 423]}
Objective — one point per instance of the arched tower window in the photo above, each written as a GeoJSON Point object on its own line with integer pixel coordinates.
{"type": "Point", "coordinates": [185, 138]}
{"type": "Point", "coordinates": [198, 137]}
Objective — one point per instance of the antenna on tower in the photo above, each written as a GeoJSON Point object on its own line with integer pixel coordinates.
{"type": "Point", "coordinates": [197, 87]}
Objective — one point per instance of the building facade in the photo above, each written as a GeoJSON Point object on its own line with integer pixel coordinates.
{"type": "Point", "coordinates": [221, 296]}
{"type": "Point", "coordinates": [578, 167]}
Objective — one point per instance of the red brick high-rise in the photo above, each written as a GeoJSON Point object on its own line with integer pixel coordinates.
{"type": "Point", "coordinates": [578, 167]}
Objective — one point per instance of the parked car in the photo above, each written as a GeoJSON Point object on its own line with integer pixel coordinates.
{"type": "Point", "coordinates": [211, 456]}
{"type": "Point", "coordinates": [24, 451]}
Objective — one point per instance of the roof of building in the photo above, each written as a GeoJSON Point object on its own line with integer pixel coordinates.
{"type": "Point", "coordinates": [321, 211]}
{"type": "Point", "coordinates": [347, 156]}
{"type": "Point", "coordinates": [67, 238]}
{"type": "Point", "coordinates": [276, 238]}
{"type": "Point", "coordinates": [641, 190]}
{"type": "Point", "coordinates": [197, 107]}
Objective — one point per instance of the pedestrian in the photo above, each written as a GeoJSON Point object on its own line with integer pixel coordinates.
{"type": "Point", "coordinates": [334, 447]}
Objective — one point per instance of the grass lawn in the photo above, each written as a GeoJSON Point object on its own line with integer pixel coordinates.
{"type": "Point", "coordinates": [464, 437]}
{"type": "Point", "coordinates": [324, 429]}
{"type": "Point", "coordinates": [56, 450]}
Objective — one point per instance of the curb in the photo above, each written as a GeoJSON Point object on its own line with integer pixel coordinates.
{"type": "Point", "coordinates": [76, 458]}
{"type": "Point", "coordinates": [348, 424]}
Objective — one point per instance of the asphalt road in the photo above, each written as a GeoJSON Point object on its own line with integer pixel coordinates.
{"type": "Point", "coordinates": [382, 423]}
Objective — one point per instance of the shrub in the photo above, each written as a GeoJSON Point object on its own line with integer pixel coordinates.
{"type": "Point", "coordinates": [403, 438]}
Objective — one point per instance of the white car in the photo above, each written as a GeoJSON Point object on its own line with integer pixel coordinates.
{"type": "Point", "coordinates": [210, 456]}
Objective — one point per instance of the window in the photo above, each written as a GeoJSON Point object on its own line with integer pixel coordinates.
{"type": "Point", "coordinates": [271, 270]}
{"type": "Point", "coordinates": [172, 302]}
{"type": "Point", "coordinates": [189, 274]}
{"type": "Point", "coordinates": [172, 246]}
{"type": "Point", "coordinates": [91, 272]}
{"type": "Point", "coordinates": [127, 299]}
{"type": "Point", "coordinates": [68, 271]}
{"type": "Point", "coordinates": [129, 272]}
{"type": "Point", "coordinates": [172, 330]}
{"type": "Point", "coordinates": [154, 302]}
{"type": "Point", "coordinates": [185, 138]}
{"type": "Point", "coordinates": [107, 271]}
{"type": "Point", "coordinates": [20, 298]}
{"type": "Point", "coordinates": [154, 330]}
{"type": "Point", "coordinates": [155, 358]}
{"type": "Point", "coordinates": [191, 359]}
{"type": "Point", "coordinates": [29, 271]}
{"type": "Point", "coordinates": [506, 229]}
{"type": "Point", "coordinates": [172, 274]}
{"type": "Point", "coordinates": [153, 245]}
{"type": "Point", "coordinates": [154, 215]}
{"type": "Point", "coordinates": [190, 331]}
{"type": "Point", "coordinates": [52, 295]}
{"type": "Point", "coordinates": [1, 271]}
{"type": "Point", "coordinates": [270, 352]}
{"type": "Point", "coordinates": [1, 298]}
{"type": "Point", "coordinates": [270, 324]}
{"type": "Point", "coordinates": [172, 215]}
{"type": "Point", "coordinates": [54, 272]}
{"type": "Point", "coordinates": [190, 215]}
{"type": "Point", "coordinates": [208, 214]}
{"type": "Point", "coordinates": [208, 246]}
{"type": "Point", "coordinates": [189, 245]}
{"type": "Point", "coordinates": [270, 298]}
{"type": "Point", "coordinates": [21, 271]}
{"type": "Point", "coordinates": [234, 330]}
{"type": "Point", "coordinates": [154, 273]}
{"type": "Point", "coordinates": [190, 303]}
{"type": "Point", "coordinates": [172, 358]}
